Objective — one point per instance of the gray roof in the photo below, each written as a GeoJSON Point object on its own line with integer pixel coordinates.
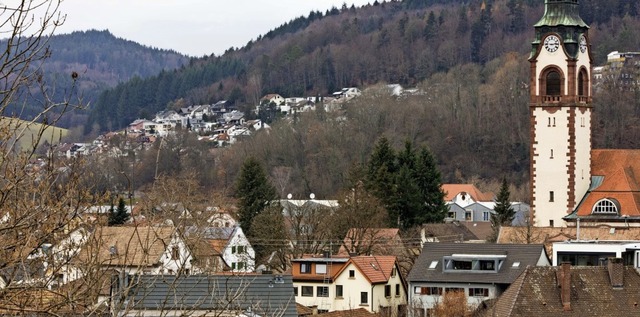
{"type": "Point", "coordinates": [265, 295]}
{"type": "Point", "coordinates": [526, 254]}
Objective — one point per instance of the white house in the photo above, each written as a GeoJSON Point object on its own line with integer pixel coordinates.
{"type": "Point", "coordinates": [230, 243]}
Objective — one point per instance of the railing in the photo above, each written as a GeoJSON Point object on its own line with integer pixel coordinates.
{"type": "Point", "coordinates": [551, 98]}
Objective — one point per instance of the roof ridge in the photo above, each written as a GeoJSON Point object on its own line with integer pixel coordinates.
{"type": "Point", "coordinates": [519, 282]}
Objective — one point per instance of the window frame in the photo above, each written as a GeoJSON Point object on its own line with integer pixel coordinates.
{"type": "Point", "coordinates": [339, 291]}
{"type": "Point", "coordinates": [306, 291]}
{"type": "Point", "coordinates": [322, 291]}
{"type": "Point", "coordinates": [612, 207]}
{"type": "Point", "coordinates": [364, 298]}
{"type": "Point", "coordinates": [305, 268]}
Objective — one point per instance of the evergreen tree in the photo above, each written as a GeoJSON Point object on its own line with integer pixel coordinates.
{"type": "Point", "coordinates": [253, 191]}
{"type": "Point", "coordinates": [503, 211]}
{"type": "Point", "coordinates": [429, 182]}
{"type": "Point", "coordinates": [381, 175]}
{"type": "Point", "coordinates": [120, 215]}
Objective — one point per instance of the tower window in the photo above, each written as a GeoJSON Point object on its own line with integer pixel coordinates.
{"type": "Point", "coordinates": [551, 196]}
{"type": "Point", "coordinates": [553, 83]}
{"type": "Point", "coordinates": [583, 83]}
{"type": "Point", "coordinates": [551, 157]}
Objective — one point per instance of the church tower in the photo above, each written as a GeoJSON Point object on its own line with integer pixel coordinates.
{"type": "Point", "coordinates": [560, 113]}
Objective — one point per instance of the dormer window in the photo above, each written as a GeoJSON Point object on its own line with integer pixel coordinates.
{"type": "Point", "coordinates": [606, 206]}
{"type": "Point", "coordinates": [479, 263]}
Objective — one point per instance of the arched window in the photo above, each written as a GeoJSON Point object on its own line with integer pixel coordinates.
{"type": "Point", "coordinates": [606, 206]}
{"type": "Point", "coordinates": [553, 83]}
{"type": "Point", "coordinates": [583, 83]}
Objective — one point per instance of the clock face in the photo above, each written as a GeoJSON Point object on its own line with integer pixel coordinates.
{"type": "Point", "coordinates": [583, 44]}
{"type": "Point", "coordinates": [552, 43]}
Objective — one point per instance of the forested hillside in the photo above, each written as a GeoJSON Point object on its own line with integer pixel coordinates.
{"type": "Point", "coordinates": [468, 59]}
{"type": "Point", "coordinates": [101, 61]}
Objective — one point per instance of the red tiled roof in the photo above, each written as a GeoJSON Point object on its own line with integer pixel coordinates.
{"type": "Point", "coordinates": [619, 169]}
{"type": "Point", "coordinates": [454, 189]}
{"type": "Point", "coordinates": [377, 269]}
{"type": "Point", "coordinates": [358, 312]}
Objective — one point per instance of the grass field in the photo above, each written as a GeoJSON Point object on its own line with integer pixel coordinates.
{"type": "Point", "coordinates": [11, 128]}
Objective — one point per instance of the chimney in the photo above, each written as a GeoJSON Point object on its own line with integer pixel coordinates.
{"type": "Point", "coordinates": [615, 266]}
{"type": "Point", "coordinates": [565, 285]}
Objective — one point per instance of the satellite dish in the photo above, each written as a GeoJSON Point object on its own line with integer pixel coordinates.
{"type": "Point", "coordinates": [289, 196]}
{"type": "Point", "coordinates": [312, 196]}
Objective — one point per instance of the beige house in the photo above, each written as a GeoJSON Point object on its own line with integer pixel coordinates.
{"type": "Point", "coordinates": [131, 250]}
{"type": "Point", "coordinates": [336, 284]}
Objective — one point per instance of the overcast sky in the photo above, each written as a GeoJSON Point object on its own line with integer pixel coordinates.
{"type": "Point", "coordinates": [192, 27]}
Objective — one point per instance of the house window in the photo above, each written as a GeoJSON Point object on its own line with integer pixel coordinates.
{"type": "Point", "coordinates": [467, 215]}
{"type": "Point", "coordinates": [305, 268]}
{"type": "Point", "coordinates": [551, 223]}
{"type": "Point", "coordinates": [486, 216]}
{"type": "Point", "coordinates": [551, 196]}
{"type": "Point", "coordinates": [322, 291]}
{"type": "Point", "coordinates": [307, 291]}
{"type": "Point", "coordinates": [452, 214]}
{"type": "Point", "coordinates": [479, 292]}
{"type": "Point", "coordinates": [352, 274]}
{"type": "Point", "coordinates": [241, 265]}
{"type": "Point", "coordinates": [462, 265]}
{"type": "Point", "coordinates": [233, 249]}
{"type": "Point", "coordinates": [241, 249]}
{"type": "Point", "coordinates": [429, 290]}
{"type": "Point", "coordinates": [453, 289]}
{"type": "Point", "coordinates": [605, 206]}
{"type": "Point", "coordinates": [339, 291]}
{"type": "Point", "coordinates": [397, 290]}
{"type": "Point", "coordinates": [364, 298]}
{"type": "Point", "coordinates": [387, 291]}
{"type": "Point", "coordinates": [321, 268]}
{"type": "Point", "coordinates": [295, 291]}
{"type": "Point", "coordinates": [487, 265]}
{"type": "Point", "coordinates": [175, 253]}
{"type": "Point", "coordinates": [393, 272]}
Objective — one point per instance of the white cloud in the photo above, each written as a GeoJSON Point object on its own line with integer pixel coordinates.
{"type": "Point", "coordinates": [193, 27]}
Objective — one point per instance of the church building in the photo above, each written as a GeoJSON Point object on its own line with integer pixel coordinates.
{"type": "Point", "coordinates": [570, 181]}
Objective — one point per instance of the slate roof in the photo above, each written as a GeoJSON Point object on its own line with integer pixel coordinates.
{"type": "Point", "coordinates": [259, 293]}
{"type": "Point", "coordinates": [526, 254]}
{"type": "Point", "coordinates": [617, 173]}
{"type": "Point", "coordinates": [536, 293]}
{"type": "Point", "coordinates": [136, 246]}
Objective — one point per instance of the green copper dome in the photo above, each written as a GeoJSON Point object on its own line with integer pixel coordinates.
{"type": "Point", "coordinates": [561, 12]}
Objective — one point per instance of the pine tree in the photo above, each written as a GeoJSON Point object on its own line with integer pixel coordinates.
{"type": "Point", "coordinates": [120, 215]}
{"type": "Point", "coordinates": [503, 212]}
{"type": "Point", "coordinates": [253, 191]}
{"type": "Point", "coordinates": [429, 181]}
